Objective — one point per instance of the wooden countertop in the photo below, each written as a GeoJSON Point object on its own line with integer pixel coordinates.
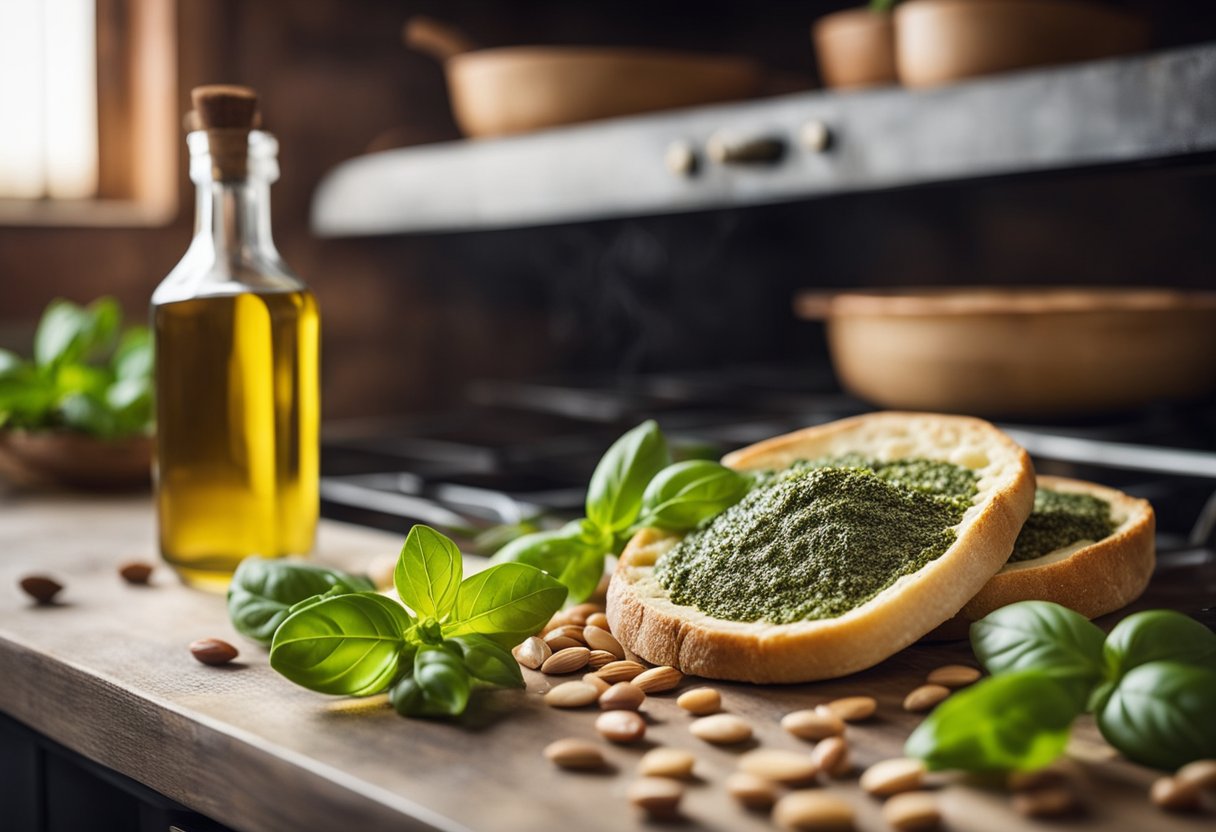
{"type": "Point", "coordinates": [107, 673]}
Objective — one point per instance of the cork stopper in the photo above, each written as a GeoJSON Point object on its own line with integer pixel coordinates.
{"type": "Point", "coordinates": [227, 113]}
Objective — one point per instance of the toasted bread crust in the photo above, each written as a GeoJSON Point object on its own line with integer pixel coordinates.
{"type": "Point", "coordinates": [1093, 580]}
{"type": "Point", "coordinates": [649, 624]}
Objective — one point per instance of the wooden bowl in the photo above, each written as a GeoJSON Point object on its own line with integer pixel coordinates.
{"type": "Point", "coordinates": [1049, 352]}
{"type": "Point", "coordinates": [518, 89]}
{"type": "Point", "coordinates": [75, 460]}
{"type": "Point", "coordinates": [939, 41]}
{"type": "Point", "coordinates": [855, 48]}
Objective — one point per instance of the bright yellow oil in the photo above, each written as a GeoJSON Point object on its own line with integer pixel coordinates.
{"type": "Point", "coordinates": [237, 422]}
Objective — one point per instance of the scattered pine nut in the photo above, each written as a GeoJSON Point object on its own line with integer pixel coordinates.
{"type": "Point", "coordinates": [571, 695]}
{"type": "Point", "coordinates": [812, 725]}
{"type": "Point", "coordinates": [750, 791]}
{"type": "Point", "coordinates": [700, 701]}
{"type": "Point", "coordinates": [925, 697]}
{"type": "Point", "coordinates": [1201, 774]}
{"type": "Point", "coordinates": [596, 682]}
{"type": "Point", "coordinates": [850, 708]}
{"type": "Point", "coordinates": [953, 676]}
{"type": "Point", "coordinates": [598, 639]}
{"type": "Point", "coordinates": [789, 768]}
{"type": "Point", "coordinates": [623, 671]}
{"type": "Point", "coordinates": [1173, 795]}
{"type": "Point", "coordinates": [558, 642]}
{"type": "Point", "coordinates": [623, 696]}
{"type": "Point", "coordinates": [621, 726]}
{"type": "Point", "coordinates": [658, 679]}
{"type": "Point", "coordinates": [912, 811]}
{"type": "Point", "coordinates": [831, 755]}
{"type": "Point", "coordinates": [579, 755]}
{"type": "Point", "coordinates": [667, 762]}
{"type": "Point", "coordinates": [888, 777]}
{"type": "Point", "coordinates": [814, 811]}
{"type": "Point", "coordinates": [570, 631]}
{"type": "Point", "coordinates": [721, 729]}
{"type": "Point", "coordinates": [658, 797]}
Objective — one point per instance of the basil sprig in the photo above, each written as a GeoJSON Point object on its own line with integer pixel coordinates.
{"type": "Point", "coordinates": [1151, 685]}
{"type": "Point", "coordinates": [635, 485]}
{"type": "Point", "coordinates": [455, 636]}
{"type": "Point", "coordinates": [263, 592]}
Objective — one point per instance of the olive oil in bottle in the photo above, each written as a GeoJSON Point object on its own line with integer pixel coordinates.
{"type": "Point", "coordinates": [237, 365]}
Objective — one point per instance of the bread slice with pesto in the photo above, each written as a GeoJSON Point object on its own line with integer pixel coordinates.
{"type": "Point", "coordinates": [798, 582]}
{"type": "Point", "coordinates": [1086, 546]}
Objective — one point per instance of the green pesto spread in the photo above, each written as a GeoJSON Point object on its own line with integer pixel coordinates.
{"type": "Point", "coordinates": [818, 539]}
{"type": "Point", "coordinates": [1060, 519]}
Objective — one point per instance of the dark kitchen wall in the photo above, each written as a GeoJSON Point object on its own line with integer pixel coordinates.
{"type": "Point", "coordinates": [408, 321]}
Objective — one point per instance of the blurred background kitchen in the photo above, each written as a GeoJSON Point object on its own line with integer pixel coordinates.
{"type": "Point", "coordinates": [494, 309]}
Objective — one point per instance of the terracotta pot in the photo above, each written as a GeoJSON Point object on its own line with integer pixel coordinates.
{"type": "Point", "coordinates": [1049, 352]}
{"type": "Point", "coordinates": [939, 41]}
{"type": "Point", "coordinates": [63, 458]}
{"type": "Point", "coordinates": [855, 48]}
{"type": "Point", "coordinates": [517, 89]}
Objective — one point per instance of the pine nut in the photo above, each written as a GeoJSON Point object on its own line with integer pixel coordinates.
{"type": "Point", "coordinates": [596, 682]}
{"type": "Point", "coordinates": [912, 811]}
{"type": "Point", "coordinates": [598, 619]}
{"type": "Point", "coordinates": [721, 729]}
{"type": "Point", "coordinates": [599, 659]}
{"type": "Point", "coordinates": [1171, 794]}
{"type": "Point", "coordinates": [925, 697]}
{"type": "Point", "coordinates": [41, 588]}
{"type": "Point", "coordinates": [700, 701]}
{"type": "Point", "coordinates": [623, 696]}
{"type": "Point", "coordinates": [569, 660]}
{"type": "Point", "coordinates": [1201, 774]}
{"type": "Point", "coordinates": [850, 708]}
{"type": "Point", "coordinates": [658, 679]}
{"type": "Point", "coordinates": [751, 791]}
{"type": "Point", "coordinates": [813, 811]}
{"type": "Point", "coordinates": [1050, 802]}
{"type": "Point", "coordinates": [953, 676]}
{"type": "Point", "coordinates": [136, 572]}
{"type": "Point", "coordinates": [667, 762]}
{"type": "Point", "coordinates": [831, 755]}
{"type": "Point", "coordinates": [570, 631]}
{"type": "Point", "coordinates": [571, 695]}
{"type": "Point", "coordinates": [598, 639]}
{"type": "Point", "coordinates": [213, 651]}
{"type": "Point", "coordinates": [532, 652]}
{"type": "Point", "coordinates": [559, 642]}
{"type": "Point", "coordinates": [658, 797]}
{"type": "Point", "coordinates": [786, 767]}
{"type": "Point", "coordinates": [575, 754]}
{"type": "Point", "coordinates": [620, 671]}
{"type": "Point", "coordinates": [900, 774]}
{"type": "Point", "coordinates": [621, 726]}
{"type": "Point", "coordinates": [812, 725]}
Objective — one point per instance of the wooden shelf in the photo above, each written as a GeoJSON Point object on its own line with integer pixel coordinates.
{"type": "Point", "coordinates": [1153, 107]}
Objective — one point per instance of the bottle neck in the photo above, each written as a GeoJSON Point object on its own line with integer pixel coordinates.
{"type": "Point", "coordinates": [233, 219]}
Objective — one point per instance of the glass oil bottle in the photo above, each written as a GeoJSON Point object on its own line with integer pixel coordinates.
{"type": "Point", "coordinates": [237, 364]}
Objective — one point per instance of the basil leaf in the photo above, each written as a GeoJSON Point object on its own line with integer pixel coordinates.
{"type": "Point", "coordinates": [406, 696]}
{"type": "Point", "coordinates": [614, 496]}
{"type": "Point", "coordinates": [1018, 721]}
{"type": "Point", "coordinates": [263, 591]}
{"type": "Point", "coordinates": [134, 357]}
{"type": "Point", "coordinates": [683, 495]}
{"type": "Point", "coordinates": [348, 644]}
{"type": "Point", "coordinates": [1040, 635]}
{"type": "Point", "coordinates": [1161, 714]}
{"type": "Point", "coordinates": [428, 573]}
{"type": "Point", "coordinates": [506, 603]}
{"type": "Point", "coordinates": [10, 363]}
{"type": "Point", "coordinates": [566, 554]}
{"type": "Point", "coordinates": [442, 681]}
{"type": "Point", "coordinates": [489, 662]}
{"type": "Point", "coordinates": [104, 317]}
{"type": "Point", "coordinates": [1158, 635]}
{"type": "Point", "coordinates": [61, 334]}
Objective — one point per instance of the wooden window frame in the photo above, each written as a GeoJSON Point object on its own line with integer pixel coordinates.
{"type": "Point", "coordinates": [136, 125]}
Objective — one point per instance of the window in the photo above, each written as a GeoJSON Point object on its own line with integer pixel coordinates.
{"type": "Point", "coordinates": [89, 95]}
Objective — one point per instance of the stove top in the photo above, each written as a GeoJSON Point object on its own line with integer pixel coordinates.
{"type": "Point", "coordinates": [522, 452]}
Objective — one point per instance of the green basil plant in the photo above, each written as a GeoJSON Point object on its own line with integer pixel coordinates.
{"type": "Point", "coordinates": [1150, 684]}
{"type": "Point", "coordinates": [443, 638]}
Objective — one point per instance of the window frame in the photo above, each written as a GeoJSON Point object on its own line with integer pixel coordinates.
{"type": "Point", "coordinates": [137, 125]}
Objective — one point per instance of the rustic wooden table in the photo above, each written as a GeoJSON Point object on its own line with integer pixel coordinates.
{"type": "Point", "coordinates": [107, 673]}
